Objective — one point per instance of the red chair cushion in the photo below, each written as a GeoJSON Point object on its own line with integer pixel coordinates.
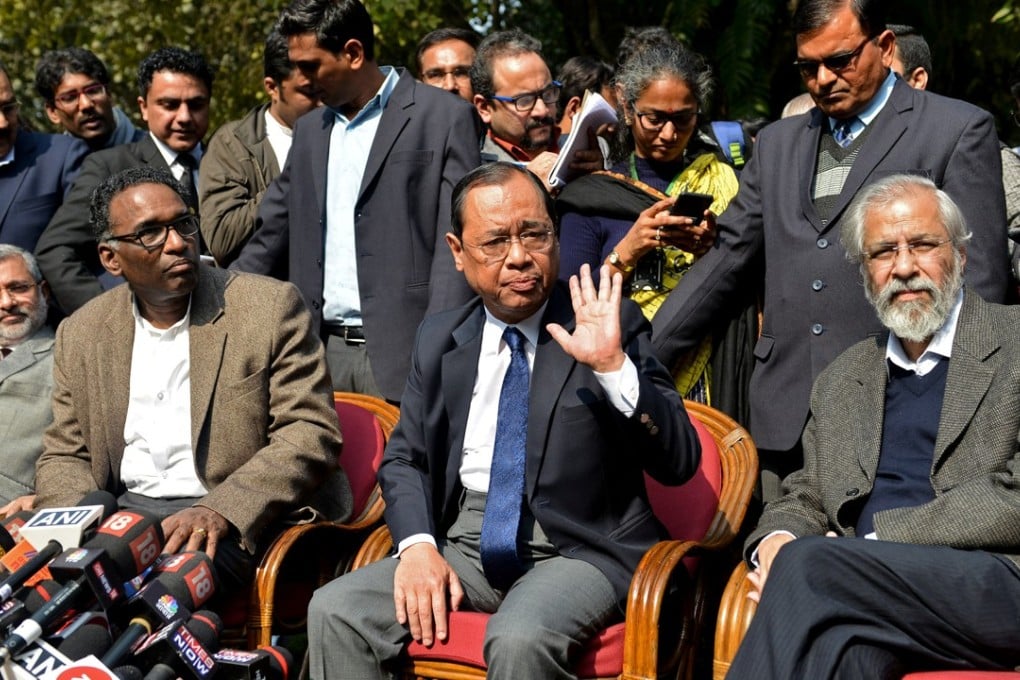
{"type": "Point", "coordinates": [963, 675]}
{"type": "Point", "coordinates": [362, 451]}
{"type": "Point", "coordinates": [603, 656]}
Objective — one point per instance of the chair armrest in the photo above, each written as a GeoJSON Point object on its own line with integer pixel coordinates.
{"type": "Point", "coordinates": [378, 545]}
{"type": "Point", "coordinates": [735, 614]}
{"type": "Point", "coordinates": [660, 568]}
{"type": "Point", "coordinates": [335, 543]}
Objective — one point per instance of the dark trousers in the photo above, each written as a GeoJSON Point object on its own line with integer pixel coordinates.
{"type": "Point", "coordinates": [853, 608]}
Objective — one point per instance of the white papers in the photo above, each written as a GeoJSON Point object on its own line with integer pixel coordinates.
{"type": "Point", "coordinates": [594, 113]}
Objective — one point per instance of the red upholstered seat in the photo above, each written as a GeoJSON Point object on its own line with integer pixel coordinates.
{"type": "Point", "coordinates": [704, 512]}
{"type": "Point", "coordinates": [963, 675]}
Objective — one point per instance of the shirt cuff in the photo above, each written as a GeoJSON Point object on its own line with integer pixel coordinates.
{"type": "Point", "coordinates": [414, 539]}
{"type": "Point", "coordinates": [754, 555]}
{"type": "Point", "coordinates": [622, 387]}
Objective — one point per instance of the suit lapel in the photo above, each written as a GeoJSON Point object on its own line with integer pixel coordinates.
{"type": "Point", "coordinates": [318, 157]}
{"type": "Point", "coordinates": [206, 345]}
{"type": "Point", "coordinates": [114, 360]}
{"type": "Point", "coordinates": [12, 177]}
{"type": "Point", "coordinates": [28, 353]}
{"type": "Point", "coordinates": [394, 118]}
{"type": "Point", "coordinates": [866, 394]}
{"type": "Point", "coordinates": [552, 368]}
{"type": "Point", "coordinates": [809, 139]}
{"type": "Point", "coordinates": [459, 362]}
{"type": "Point", "coordinates": [969, 375]}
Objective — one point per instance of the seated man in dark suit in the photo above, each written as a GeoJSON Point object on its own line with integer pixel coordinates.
{"type": "Point", "coordinates": [175, 87]}
{"type": "Point", "coordinates": [36, 172]}
{"type": "Point", "coordinates": [912, 441]}
{"type": "Point", "coordinates": [192, 392]}
{"type": "Point", "coordinates": [524, 501]}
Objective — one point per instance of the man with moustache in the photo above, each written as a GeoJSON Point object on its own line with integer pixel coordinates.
{"type": "Point", "coordinates": [514, 482]}
{"type": "Point", "coordinates": [36, 172]}
{"type": "Point", "coordinates": [26, 374]}
{"type": "Point", "coordinates": [516, 97]}
{"type": "Point", "coordinates": [175, 88]}
{"type": "Point", "coordinates": [912, 442]}
{"type": "Point", "coordinates": [75, 87]}
{"type": "Point", "coordinates": [198, 394]}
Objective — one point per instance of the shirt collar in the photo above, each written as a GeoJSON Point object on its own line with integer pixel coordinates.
{"type": "Point", "coordinates": [530, 327]}
{"type": "Point", "coordinates": [169, 155]}
{"type": "Point", "coordinates": [142, 324]}
{"type": "Point", "coordinates": [940, 346]}
{"type": "Point", "coordinates": [519, 154]}
{"type": "Point", "coordinates": [377, 102]}
{"type": "Point", "coordinates": [874, 107]}
{"type": "Point", "coordinates": [275, 125]}
{"type": "Point", "coordinates": [8, 157]}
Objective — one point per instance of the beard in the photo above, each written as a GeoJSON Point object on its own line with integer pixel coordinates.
{"type": "Point", "coordinates": [33, 316]}
{"type": "Point", "coordinates": [530, 144]}
{"type": "Point", "coordinates": [917, 320]}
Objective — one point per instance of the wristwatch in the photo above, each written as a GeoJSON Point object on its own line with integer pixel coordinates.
{"type": "Point", "coordinates": [616, 261]}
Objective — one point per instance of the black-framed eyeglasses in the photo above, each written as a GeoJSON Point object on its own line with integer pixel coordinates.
{"type": "Point", "coordinates": [152, 236]}
{"type": "Point", "coordinates": [438, 75]}
{"type": "Point", "coordinates": [18, 288]}
{"type": "Point", "coordinates": [653, 121]}
{"type": "Point", "coordinates": [497, 248]}
{"type": "Point", "coordinates": [836, 63]}
{"type": "Point", "coordinates": [71, 98]}
{"type": "Point", "coordinates": [886, 254]}
{"type": "Point", "coordinates": [550, 94]}
{"type": "Point", "coordinates": [10, 109]}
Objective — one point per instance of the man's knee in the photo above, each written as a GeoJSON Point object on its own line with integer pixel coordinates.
{"type": "Point", "coordinates": [511, 637]}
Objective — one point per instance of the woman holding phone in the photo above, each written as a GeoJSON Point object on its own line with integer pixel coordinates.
{"type": "Point", "coordinates": [653, 213]}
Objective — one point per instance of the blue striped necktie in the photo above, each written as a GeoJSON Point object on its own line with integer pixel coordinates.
{"type": "Point", "coordinates": [841, 133]}
{"type": "Point", "coordinates": [500, 561]}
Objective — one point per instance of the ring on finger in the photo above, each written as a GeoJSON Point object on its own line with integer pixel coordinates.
{"type": "Point", "coordinates": [658, 233]}
{"type": "Point", "coordinates": [200, 531]}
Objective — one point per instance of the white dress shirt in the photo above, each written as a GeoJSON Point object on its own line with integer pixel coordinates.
{"type": "Point", "coordinates": [280, 137]}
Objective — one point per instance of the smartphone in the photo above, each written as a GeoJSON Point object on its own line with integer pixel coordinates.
{"type": "Point", "coordinates": [690, 204]}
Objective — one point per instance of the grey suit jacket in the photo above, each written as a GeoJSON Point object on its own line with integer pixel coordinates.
{"type": "Point", "coordinates": [67, 251]}
{"type": "Point", "coordinates": [814, 304]}
{"type": "Point", "coordinates": [36, 183]}
{"type": "Point", "coordinates": [426, 141]}
{"type": "Point", "coordinates": [26, 383]}
{"type": "Point", "coordinates": [976, 464]}
{"type": "Point", "coordinates": [264, 432]}
{"type": "Point", "coordinates": [237, 168]}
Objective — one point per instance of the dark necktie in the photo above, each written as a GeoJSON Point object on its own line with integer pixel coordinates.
{"type": "Point", "coordinates": [841, 133]}
{"type": "Point", "coordinates": [502, 516]}
{"type": "Point", "coordinates": [188, 162]}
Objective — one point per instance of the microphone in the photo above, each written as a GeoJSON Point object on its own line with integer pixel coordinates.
{"type": "Point", "coordinates": [128, 673]}
{"type": "Point", "coordinates": [92, 638]}
{"type": "Point", "coordinates": [13, 523]}
{"type": "Point", "coordinates": [15, 611]}
{"type": "Point", "coordinates": [264, 663]}
{"type": "Point", "coordinates": [182, 582]}
{"type": "Point", "coordinates": [179, 650]}
{"type": "Point", "coordinates": [127, 542]}
{"type": "Point", "coordinates": [67, 525]}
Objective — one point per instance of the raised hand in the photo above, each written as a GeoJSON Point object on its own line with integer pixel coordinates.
{"type": "Point", "coordinates": [595, 341]}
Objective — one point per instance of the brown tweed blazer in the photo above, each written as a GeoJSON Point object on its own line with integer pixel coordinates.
{"type": "Point", "coordinates": [264, 431]}
{"type": "Point", "coordinates": [976, 466]}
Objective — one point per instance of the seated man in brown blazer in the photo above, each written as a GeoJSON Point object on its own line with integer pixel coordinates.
{"type": "Point", "coordinates": [193, 392]}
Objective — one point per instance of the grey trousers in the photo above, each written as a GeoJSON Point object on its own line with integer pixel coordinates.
{"type": "Point", "coordinates": [349, 367]}
{"type": "Point", "coordinates": [537, 630]}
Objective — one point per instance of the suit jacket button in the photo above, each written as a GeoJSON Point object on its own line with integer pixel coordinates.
{"type": "Point", "coordinates": [645, 418]}
{"type": "Point", "coordinates": [817, 329]}
{"type": "Point", "coordinates": [822, 243]}
{"type": "Point", "coordinates": [853, 492]}
{"type": "Point", "coordinates": [653, 430]}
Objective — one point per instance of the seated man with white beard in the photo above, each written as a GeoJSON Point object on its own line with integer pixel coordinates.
{"type": "Point", "coordinates": [912, 442]}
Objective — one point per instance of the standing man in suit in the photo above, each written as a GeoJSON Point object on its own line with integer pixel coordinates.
{"type": "Point", "coordinates": [75, 87]}
{"type": "Point", "coordinates": [198, 394]}
{"type": "Point", "coordinates": [912, 442]}
{"type": "Point", "coordinates": [526, 502]}
{"type": "Point", "coordinates": [357, 217]}
{"type": "Point", "coordinates": [793, 195]}
{"type": "Point", "coordinates": [175, 87]}
{"type": "Point", "coordinates": [36, 172]}
{"type": "Point", "coordinates": [26, 371]}
{"type": "Point", "coordinates": [245, 156]}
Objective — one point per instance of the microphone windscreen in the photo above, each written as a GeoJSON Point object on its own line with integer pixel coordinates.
{"type": "Point", "coordinates": [131, 538]}
{"type": "Point", "coordinates": [103, 498]}
{"type": "Point", "coordinates": [188, 576]}
{"type": "Point", "coordinates": [91, 638]}
{"type": "Point", "coordinates": [127, 673]}
{"type": "Point", "coordinates": [40, 594]}
{"type": "Point", "coordinates": [13, 523]}
{"type": "Point", "coordinates": [6, 540]}
{"type": "Point", "coordinates": [206, 625]}
{"type": "Point", "coordinates": [280, 660]}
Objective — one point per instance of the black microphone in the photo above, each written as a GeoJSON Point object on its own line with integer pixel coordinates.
{"type": "Point", "coordinates": [91, 638]}
{"type": "Point", "coordinates": [126, 543]}
{"type": "Point", "coordinates": [30, 600]}
{"type": "Point", "coordinates": [182, 582]}
{"type": "Point", "coordinates": [182, 650]}
{"type": "Point", "coordinates": [264, 663]}
{"type": "Point", "coordinates": [128, 673]}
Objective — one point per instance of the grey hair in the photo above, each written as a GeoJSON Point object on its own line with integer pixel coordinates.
{"type": "Point", "coordinates": [884, 193]}
{"type": "Point", "coordinates": [659, 61]}
{"type": "Point", "coordinates": [8, 251]}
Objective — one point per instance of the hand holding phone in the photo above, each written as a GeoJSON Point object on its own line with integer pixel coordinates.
{"type": "Point", "coordinates": [691, 204]}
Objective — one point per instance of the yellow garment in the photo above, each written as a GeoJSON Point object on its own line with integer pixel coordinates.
{"type": "Point", "coordinates": [706, 175]}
